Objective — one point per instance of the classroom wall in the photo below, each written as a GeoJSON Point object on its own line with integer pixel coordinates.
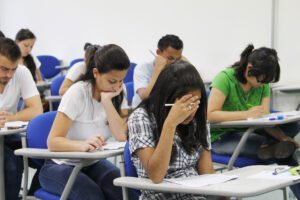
{"type": "Point", "coordinates": [214, 31]}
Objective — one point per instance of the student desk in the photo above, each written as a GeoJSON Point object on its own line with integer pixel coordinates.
{"type": "Point", "coordinates": [4, 132]}
{"type": "Point", "coordinates": [52, 99]}
{"type": "Point", "coordinates": [252, 125]}
{"type": "Point", "coordinates": [244, 186]}
{"type": "Point", "coordinates": [85, 158]}
{"type": "Point", "coordinates": [43, 86]}
{"type": "Point", "coordinates": [288, 89]}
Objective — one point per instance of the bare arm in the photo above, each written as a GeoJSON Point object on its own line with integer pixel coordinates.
{"type": "Point", "coordinates": [65, 86]}
{"type": "Point", "coordinates": [205, 165]}
{"type": "Point", "coordinates": [57, 140]}
{"type": "Point", "coordinates": [159, 64]}
{"type": "Point", "coordinates": [33, 108]}
{"type": "Point", "coordinates": [156, 160]}
{"type": "Point", "coordinates": [38, 75]}
{"type": "Point", "coordinates": [214, 110]}
{"type": "Point", "coordinates": [215, 114]}
{"type": "Point", "coordinates": [117, 124]}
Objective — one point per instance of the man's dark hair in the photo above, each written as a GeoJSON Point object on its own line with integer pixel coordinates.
{"type": "Point", "coordinates": [170, 41]}
{"type": "Point", "coordinates": [9, 49]}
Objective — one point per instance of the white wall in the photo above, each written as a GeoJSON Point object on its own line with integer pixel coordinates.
{"type": "Point", "coordinates": [214, 31]}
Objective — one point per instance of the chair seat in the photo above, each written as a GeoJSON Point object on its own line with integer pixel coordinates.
{"type": "Point", "coordinates": [240, 161]}
{"type": "Point", "coordinates": [42, 194]}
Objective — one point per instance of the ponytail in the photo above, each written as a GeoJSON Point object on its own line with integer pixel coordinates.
{"type": "Point", "coordinates": [264, 61]}
{"type": "Point", "coordinates": [240, 66]}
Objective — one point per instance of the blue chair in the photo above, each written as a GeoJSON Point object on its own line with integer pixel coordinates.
{"type": "Point", "coordinates": [37, 134]}
{"type": "Point", "coordinates": [75, 61]}
{"type": "Point", "coordinates": [54, 99]}
{"type": "Point", "coordinates": [130, 92]}
{"type": "Point", "coordinates": [55, 85]}
{"type": "Point", "coordinates": [48, 66]}
{"type": "Point", "coordinates": [128, 169]}
{"type": "Point", "coordinates": [129, 75]}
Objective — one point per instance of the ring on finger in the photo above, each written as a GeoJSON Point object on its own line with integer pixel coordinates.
{"type": "Point", "coordinates": [190, 107]}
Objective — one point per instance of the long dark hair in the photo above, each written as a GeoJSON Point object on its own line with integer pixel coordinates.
{"type": "Point", "coordinates": [25, 34]}
{"type": "Point", "coordinates": [105, 59]}
{"type": "Point", "coordinates": [264, 61]}
{"type": "Point", "coordinates": [175, 81]}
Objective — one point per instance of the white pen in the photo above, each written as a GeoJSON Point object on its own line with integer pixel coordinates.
{"type": "Point", "coordinates": [169, 104]}
{"type": "Point", "coordinates": [152, 53]}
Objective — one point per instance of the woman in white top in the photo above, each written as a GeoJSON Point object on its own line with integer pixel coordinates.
{"type": "Point", "coordinates": [92, 110]}
{"type": "Point", "coordinates": [78, 70]}
{"type": "Point", "coordinates": [25, 39]}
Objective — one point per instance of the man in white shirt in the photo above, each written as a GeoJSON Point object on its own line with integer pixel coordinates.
{"type": "Point", "coordinates": [15, 82]}
{"type": "Point", "coordinates": [169, 49]}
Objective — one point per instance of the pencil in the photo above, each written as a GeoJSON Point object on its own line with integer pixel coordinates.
{"type": "Point", "coordinates": [152, 53]}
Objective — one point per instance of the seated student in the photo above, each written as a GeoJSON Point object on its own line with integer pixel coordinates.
{"type": "Point", "coordinates": [91, 111]}
{"type": "Point", "coordinates": [25, 40]}
{"type": "Point", "coordinates": [15, 82]}
{"type": "Point", "coordinates": [171, 141]}
{"type": "Point", "coordinates": [169, 49]}
{"type": "Point", "coordinates": [78, 70]}
{"type": "Point", "coordinates": [242, 91]}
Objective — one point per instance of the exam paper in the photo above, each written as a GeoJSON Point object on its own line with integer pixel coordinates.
{"type": "Point", "coordinates": [114, 145]}
{"type": "Point", "coordinates": [202, 180]}
{"type": "Point", "coordinates": [16, 124]}
{"type": "Point", "coordinates": [269, 175]}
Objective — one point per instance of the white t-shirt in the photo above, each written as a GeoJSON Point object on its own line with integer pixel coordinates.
{"type": "Point", "coordinates": [77, 70]}
{"type": "Point", "coordinates": [21, 85]}
{"type": "Point", "coordinates": [88, 115]}
{"type": "Point", "coordinates": [141, 79]}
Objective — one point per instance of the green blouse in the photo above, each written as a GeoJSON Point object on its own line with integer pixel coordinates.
{"type": "Point", "coordinates": [236, 98]}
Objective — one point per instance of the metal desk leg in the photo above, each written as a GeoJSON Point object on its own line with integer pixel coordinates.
{"type": "Point", "coordinates": [238, 148]}
{"type": "Point", "coordinates": [71, 181]}
{"type": "Point", "coordinates": [2, 174]}
{"type": "Point", "coordinates": [122, 170]}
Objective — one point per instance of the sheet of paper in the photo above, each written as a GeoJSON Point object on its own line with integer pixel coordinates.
{"type": "Point", "coordinates": [202, 180]}
{"type": "Point", "coordinates": [276, 116]}
{"type": "Point", "coordinates": [15, 124]}
{"type": "Point", "coordinates": [114, 145]}
{"type": "Point", "coordinates": [270, 175]}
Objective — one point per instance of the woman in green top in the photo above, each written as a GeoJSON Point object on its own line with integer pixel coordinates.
{"type": "Point", "coordinates": [242, 91]}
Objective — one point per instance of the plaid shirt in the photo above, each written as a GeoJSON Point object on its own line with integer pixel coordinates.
{"type": "Point", "coordinates": [141, 127]}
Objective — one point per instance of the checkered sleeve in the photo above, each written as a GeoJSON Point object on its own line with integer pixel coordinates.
{"type": "Point", "coordinates": [140, 130]}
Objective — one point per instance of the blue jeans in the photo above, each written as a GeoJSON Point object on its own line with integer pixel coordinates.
{"type": "Point", "coordinates": [93, 182]}
{"type": "Point", "coordinates": [229, 141]}
{"type": "Point", "coordinates": [13, 169]}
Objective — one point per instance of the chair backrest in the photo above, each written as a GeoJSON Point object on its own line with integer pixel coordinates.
{"type": "Point", "coordinates": [48, 64]}
{"type": "Point", "coordinates": [75, 61]}
{"type": "Point", "coordinates": [55, 84]}
{"type": "Point", "coordinates": [129, 167]}
{"type": "Point", "coordinates": [38, 130]}
{"type": "Point", "coordinates": [130, 92]}
{"type": "Point", "coordinates": [129, 75]}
